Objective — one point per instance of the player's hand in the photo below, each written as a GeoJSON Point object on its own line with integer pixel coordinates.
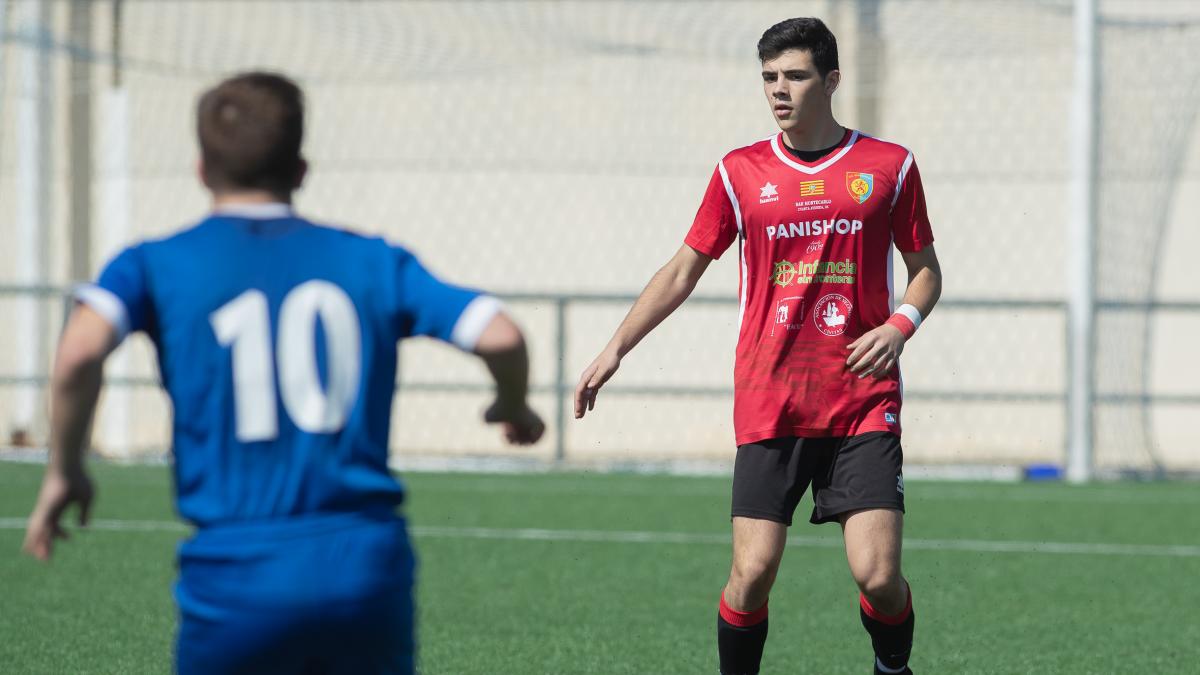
{"type": "Point", "coordinates": [876, 352]}
{"type": "Point", "coordinates": [521, 425]}
{"type": "Point", "coordinates": [594, 377]}
{"type": "Point", "coordinates": [59, 490]}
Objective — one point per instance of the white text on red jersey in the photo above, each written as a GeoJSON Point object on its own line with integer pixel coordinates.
{"type": "Point", "coordinates": [813, 228]}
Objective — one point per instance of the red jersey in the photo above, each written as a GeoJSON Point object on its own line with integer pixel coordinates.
{"type": "Point", "coordinates": [815, 244]}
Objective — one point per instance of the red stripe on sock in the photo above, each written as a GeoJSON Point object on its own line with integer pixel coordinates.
{"type": "Point", "coordinates": [884, 618]}
{"type": "Point", "coordinates": [742, 619]}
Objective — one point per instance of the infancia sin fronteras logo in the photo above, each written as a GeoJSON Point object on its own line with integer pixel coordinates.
{"type": "Point", "coordinates": [785, 272]}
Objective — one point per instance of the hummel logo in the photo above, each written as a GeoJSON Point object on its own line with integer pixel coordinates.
{"type": "Point", "coordinates": [900, 483]}
{"type": "Point", "coordinates": [768, 193]}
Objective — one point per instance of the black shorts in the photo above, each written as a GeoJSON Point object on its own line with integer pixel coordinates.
{"type": "Point", "coordinates": [847, 473]}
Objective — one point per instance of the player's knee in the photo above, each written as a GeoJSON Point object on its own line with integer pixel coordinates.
{"type": "Point", "coordinates": [750, 584]}
{"type": "Point", "coordinates": [758, 574]}
{"type": "Point", "coordinates": [878, 581]}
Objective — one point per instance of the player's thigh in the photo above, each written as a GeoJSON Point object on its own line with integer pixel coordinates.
{"type": "Point", "coordinates": [299, 605]}
{"type": "Point", "coordinates": [374, 636]}
{"type": "Point", "coordinates": [873, 540]}
{"type": "Point", "coordinates": [758, 546]}
{"type": "Point", "coordinates": [770, 477]}
{"type": "Point", "coordinates": [866, 472]}
{"type": "Point", "coordinates": [217, 641]}
{"type": "Point", "coordinates": [377, 637]}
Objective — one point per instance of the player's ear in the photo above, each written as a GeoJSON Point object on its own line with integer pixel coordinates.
{"type": "Point", "coordinates": [202, 174]}
{"type": "Point", "coordinates": [301, 173]}
{"type": "Point", "coordinates": [832, 79]}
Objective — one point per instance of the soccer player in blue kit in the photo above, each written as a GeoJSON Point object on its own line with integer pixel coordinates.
{"type": "Point", "coordinates": [276, 341]}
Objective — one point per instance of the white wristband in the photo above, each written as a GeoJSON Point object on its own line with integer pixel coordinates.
{"type": "Point", "coordinates": [911, 313]}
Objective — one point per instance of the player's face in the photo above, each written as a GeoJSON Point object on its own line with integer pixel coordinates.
{"type": "Point", "coordinates": [796, 92]}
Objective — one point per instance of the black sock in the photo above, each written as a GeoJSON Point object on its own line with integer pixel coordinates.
{"type": "Point", "coordinates": [891, 636]}
{"type": "Point", "coordinates": [740, 639]}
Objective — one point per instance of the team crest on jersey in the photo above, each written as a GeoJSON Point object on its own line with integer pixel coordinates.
{"type": "Point", "coordinates": [860, 185]}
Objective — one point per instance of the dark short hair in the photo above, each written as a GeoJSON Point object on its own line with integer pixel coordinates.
{"type": "Point", "coordinates": [250, 128]}
{"type": "Point", "coordinates": [806, 34]}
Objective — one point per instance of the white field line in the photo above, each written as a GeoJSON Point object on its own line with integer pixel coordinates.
{"type": "Point", "coordinates": [927, 482]}
{"type": "Point", "coordinates": [636, 537]}
{"type": "Point", "coordinates": [920, 492]}
{"type": "Point", "coordinates": [107, 525]}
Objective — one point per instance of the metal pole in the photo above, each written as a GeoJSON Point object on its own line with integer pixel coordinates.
{"type": "Point", "coordinates": [33, 209]}
{"type": "Point", "coordinates": [80, 102]}
{"type": "Point", "coordinates": [870, 69]}
{"type": "Point", "coordinates": [115, 225]}
{"type": "Point", "coordinates": [117, 52]}
{"type": "Point", "coordinates": [561, 391]}
{"type": "Point", "coordinates": [3, 50]}
{"type": "Point", "coordinates": [1081, 284]}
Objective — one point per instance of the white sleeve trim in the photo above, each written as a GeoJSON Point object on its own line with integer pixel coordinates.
{"type": "Point", "coordinates": [900, 178]}
{"type": "Point", "coordinates": [473, 320]}
{"type": "Point", "coordinates": [737, 214]}
{"type": "Point", "coordinates": [912, 313]}
{"type": "Point", "coordinates": [105, 303]}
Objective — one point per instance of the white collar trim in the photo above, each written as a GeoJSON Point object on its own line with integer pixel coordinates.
{"type": "Point", "coordinates": [783, 156]}
{"type": "Point", "coordinates": [263, 211]}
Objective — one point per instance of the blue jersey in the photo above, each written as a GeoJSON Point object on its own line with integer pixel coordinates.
{"type": "Point", "coordinates": [276, 342]}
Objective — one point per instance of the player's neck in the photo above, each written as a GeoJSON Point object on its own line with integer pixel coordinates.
{"type": "Point", "coordinates": [825, 134]}
{"type": "Point", "coordinates": [244, 197]}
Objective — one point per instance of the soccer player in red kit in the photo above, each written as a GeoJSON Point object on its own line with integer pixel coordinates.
{"type": "Point", "coordinates": [814, 212]}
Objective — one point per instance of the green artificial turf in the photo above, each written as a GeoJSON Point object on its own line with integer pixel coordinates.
{"type": "Point", "coordinates": [548, 574]}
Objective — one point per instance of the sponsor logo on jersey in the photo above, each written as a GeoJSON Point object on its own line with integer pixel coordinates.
{"type": "Point", "coordinates": [812, 188]}
{"type": "Point", "coordinates": [832, 314]}
{"type": "Point", "coordinates": [813, 228]}
{"type": "Point", "coordinates": [860, 185]}
{"type": "Point", "coordinates": [889, 418]}
{"type": "Point", "coordinates": [768, 193]}
{"type": "Point", "coordinates": [789, 315]}
{"type": "Point", "coordinates": [813, 204]}
{"type": "Point", "coordinates": [785, 272]}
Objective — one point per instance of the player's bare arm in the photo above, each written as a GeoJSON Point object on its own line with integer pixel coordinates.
{"type": "Point", "coordinates": [878, 350]}
{"type": "Point", "coordinates": [502, 348]}
{"type": "Point", "coordinates": [667, 289]}
{"type": "Point", "coordinates": [78, 370]}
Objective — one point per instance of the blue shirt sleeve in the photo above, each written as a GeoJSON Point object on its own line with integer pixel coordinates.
{"type": "Point", "coordinates": [430, 307]}
{"type": "Point", "coordinates": [121, 294]}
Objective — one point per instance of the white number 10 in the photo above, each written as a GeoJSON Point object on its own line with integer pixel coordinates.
{"type": "Point", "coordinates": [245, 324]}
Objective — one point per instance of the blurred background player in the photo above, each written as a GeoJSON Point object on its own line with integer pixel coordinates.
{"type": "Point", "coordinates": [276, 342]}
{"type": "Point", "coordinates": [815, 210]}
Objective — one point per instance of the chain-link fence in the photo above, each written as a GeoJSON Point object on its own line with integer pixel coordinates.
{"type": "Point", "coordinates": [556, 152]}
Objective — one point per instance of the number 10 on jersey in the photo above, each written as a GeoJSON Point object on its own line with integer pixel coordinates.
{"type": "Point", "coordinates": [244, 325]}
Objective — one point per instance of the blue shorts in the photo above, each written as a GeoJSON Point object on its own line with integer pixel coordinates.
{"type": "Point", "coordinates": [318, 595]}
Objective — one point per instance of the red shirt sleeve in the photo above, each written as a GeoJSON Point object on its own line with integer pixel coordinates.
{"type": "Point", "coordinates": [715, 227]}
{"type": "Point", "coordinates": [910, 221]}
